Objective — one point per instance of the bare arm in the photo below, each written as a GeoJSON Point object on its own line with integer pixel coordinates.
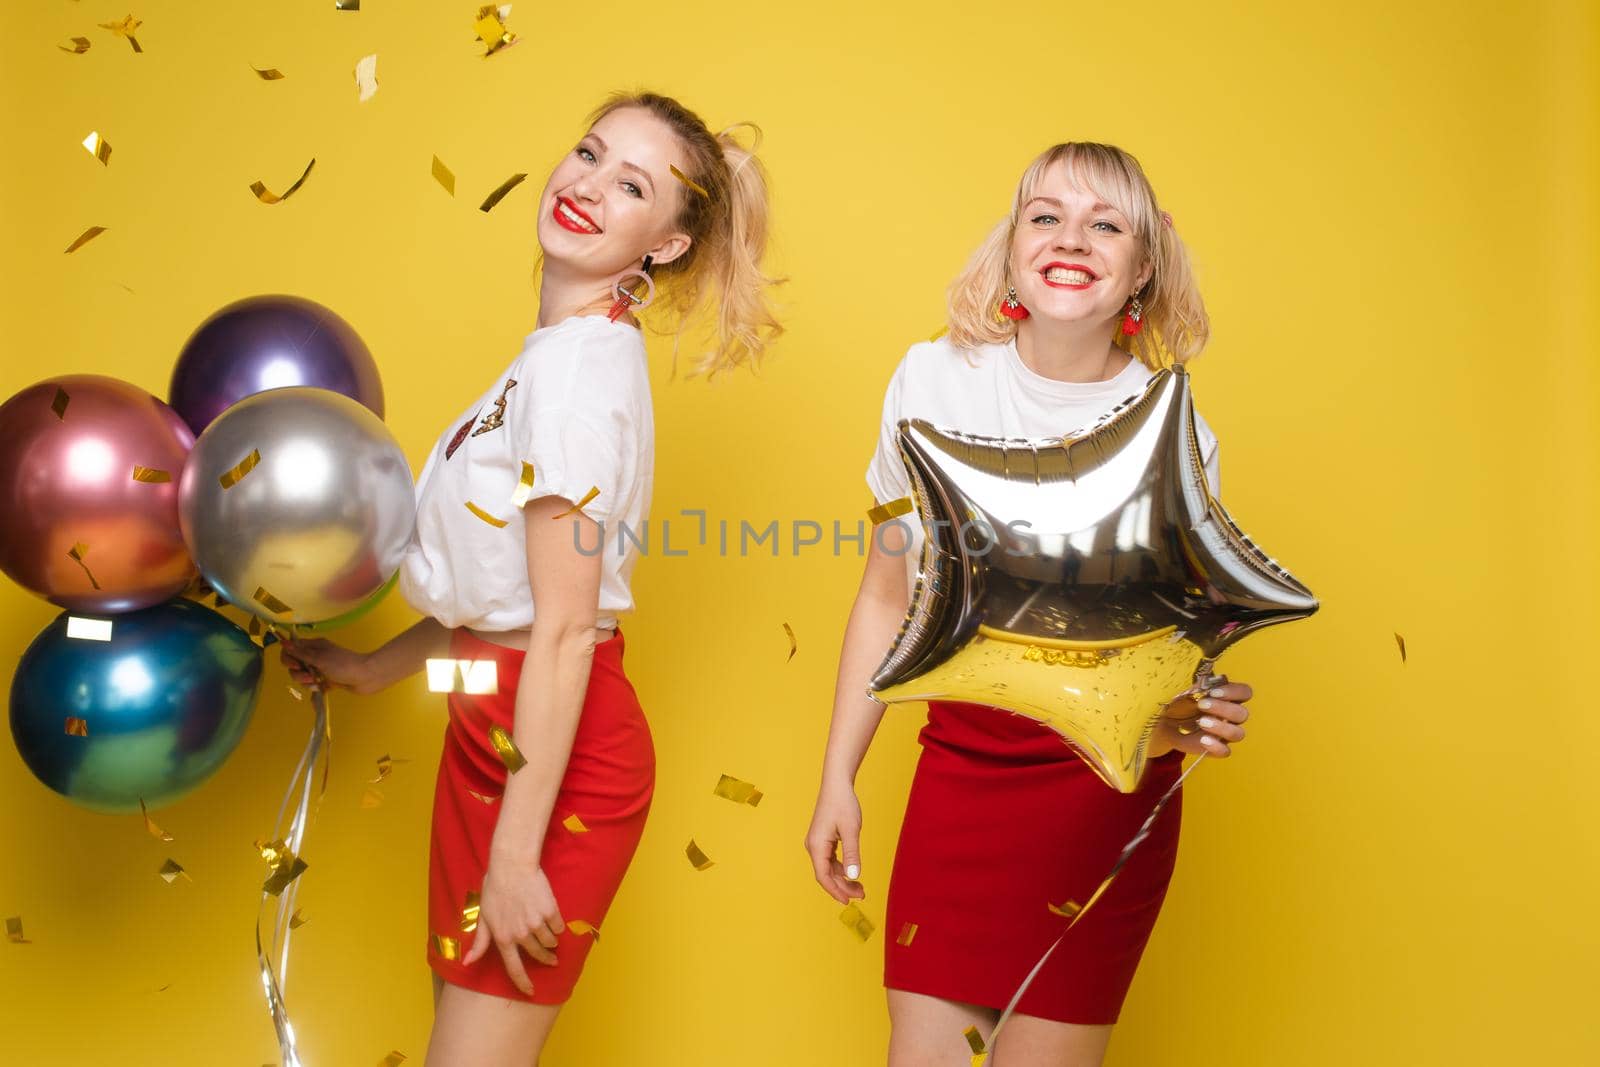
{"type": "Point", "coordinates": [366, 672]}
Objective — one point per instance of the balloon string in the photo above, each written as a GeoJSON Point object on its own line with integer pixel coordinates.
{"type": "Point", "coordinates": [1116, 869]}
{"type": "Point", "coordinates": [317, 745]}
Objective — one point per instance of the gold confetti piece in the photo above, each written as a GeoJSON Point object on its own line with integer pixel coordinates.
{"type": "Point", "coordinates": [447, 947]}
{"type": "Point", "coordinates": [354, 5]}
{"type": "Point", "coordinates": [469, 912]}
{"type": "Point", "coordinates": [152, 475]}
{"type": "Point", "coordinates": [574, 824]}
{"type": "Point", "coordinates": [524, 489]}
{"type": "Point", "coordinates": [858, 923]}
{"type": "Point", "coordinates": [593, 492]}
{"type": "Point", "coordinates": [77, 727]}
{"type": "Point", "coordinates": [940, 332]}
{"type": "Point", "coordinates": [367, 77]}
{"type": "Point", "coordinates": [730, 788]}
{"type": "Point", "coordinates": [1067, 910]}
{"type": "Point", "coordinates": [150, 824]}
{"type": "Point", "coordinates": [269, 74]}
{"type": "Point", "coordinates": [794, 645]}
{"type": "Point", "coordinates": [690, 182]}
{"type": "Point", "coordinates": [85, 237]}
{"type": "Point", "coordinates": [907, 932]}
{"type": "Point", "coordinates": [395, 1058]}
{"type": "Point", "coordinates": [975, 1042]}
{"type": "Point", "coordinates": [14, 931]}
{"type": "Point", "coordinates": [98, 147]}
{"type": "Point", "coordinates": [510, 754]}
{"type": "Point", "coordinates": [295, 693]}
{"type": "Point", "coordinates": [59, 404]}
{"type": "Point", "coordinates": [386, 765]}
{"type": "Point", "coordinates": [579, 927]}
{"type": "Point", "coordinates": [884, 512]}
{"type": "Point", "coordinates": [491, 28]}
{"type": "Point", "coordinates": [171, 871]}
{"type": "Point", "coordinates": [125, 27]}
{"type": "Point", "coordinates": [442, 175]}
{"type": "Point", "coordinates": [372, 798]}
{"type": "Point", "coordinates": [77, 552]}
{"type": "Point", "coordinates": [500, 192]}
{"type": "Point", "coordinates": [82, 629]}
{"type": "Point", "coordinates": [80, 45]}
{"type": "Point", "coordinates": [298, 919]}
{"type": "Point", "coordinates": [498, 524]}
{"type": "Point", "coordinates": [1402, 643]}
{"type": "Point", "coordinates": [698, 859]}
{"type": "Point", "coordinates": [233, 477]}
{"type": "Point", "coordinates": [481, 797]}
{"type": "Point", "coordinates": [270, 602]}
{"type": "Point", "coordinates": [266, 197]}
{"type": "Point", "coordinates": [285, 865]}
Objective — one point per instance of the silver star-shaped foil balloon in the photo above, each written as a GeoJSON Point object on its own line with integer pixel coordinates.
{"type": "Point", "coordinates": [1085, 581]}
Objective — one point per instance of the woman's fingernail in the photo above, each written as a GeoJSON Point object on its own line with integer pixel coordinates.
{"type": "Point", "coordinates": [1215, 692]}
{"type": "Point", "coordinates": [852, 872]}
{"type": "Point", "coordinates": [1203, 703]}
{"type": "Point", "coordinates": [1206, 722]}
{"type": "Point", "coordinates": [1208, 740]}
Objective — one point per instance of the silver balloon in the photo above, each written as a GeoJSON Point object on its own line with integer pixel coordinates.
{"type": "Point", "coordinates": [297, 504]}
{"type": "Point", "coordinates": [1084, 581]}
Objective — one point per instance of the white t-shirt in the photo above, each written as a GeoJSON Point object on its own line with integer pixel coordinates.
{"type": "Point", "coordinates": [990, 391]}
{"type": "Point", "coordinates": [576, 405]}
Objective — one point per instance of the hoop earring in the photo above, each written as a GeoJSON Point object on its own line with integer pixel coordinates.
{"type": "Point", "coordinates": [1131, 322]}
{"type": "Point", "coordinates": [1010, 307]}
{"type": "Point", "coordinates": [627, 298]}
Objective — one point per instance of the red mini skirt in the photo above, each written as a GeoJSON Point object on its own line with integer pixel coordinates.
{"type": "Point", "coordinates": [1003, 821]}
{"type": "Point", "coordinates": [609, 781]}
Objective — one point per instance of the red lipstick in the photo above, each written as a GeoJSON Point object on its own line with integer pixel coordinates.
{"type": "Point", "coordinates": [567, 223]}
{"type": "Point", "coordinates": [1066, 266]}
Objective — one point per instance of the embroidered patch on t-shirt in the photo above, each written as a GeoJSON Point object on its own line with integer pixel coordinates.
{"type": "Point", "coordinates": [496, 418]}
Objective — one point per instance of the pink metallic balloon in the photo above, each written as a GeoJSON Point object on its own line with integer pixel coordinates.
{"type": "Point", "coordinates": [89, 469]}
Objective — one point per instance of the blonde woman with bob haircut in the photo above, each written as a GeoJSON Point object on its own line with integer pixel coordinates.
{"type": "Point", "coordinates": [1079, 294]}
{"type": "Point", "coordinates": [545, 781]}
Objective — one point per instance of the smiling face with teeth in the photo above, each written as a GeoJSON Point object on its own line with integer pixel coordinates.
{"type": "Point", "coordinates": [1074, 257]}
{"type": "Point", "coordinates": [613, 200]}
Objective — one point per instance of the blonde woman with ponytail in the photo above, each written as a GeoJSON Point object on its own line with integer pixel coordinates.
{"type": "Point", "coordinates": [1075, 299]}
{"type": "Point", "coordinates": [547, 770]}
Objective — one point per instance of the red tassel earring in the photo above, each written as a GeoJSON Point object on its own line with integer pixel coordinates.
{"type": "Point", "coordinates": [1010, 307]}
{"type": "Point", "coordinates": [1131, 323]}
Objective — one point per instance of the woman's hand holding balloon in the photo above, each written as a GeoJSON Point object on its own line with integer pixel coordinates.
{"type": "Point", "coordinates": [1203, 723]}
{"type": "Point", "coordinates": [318, 662]}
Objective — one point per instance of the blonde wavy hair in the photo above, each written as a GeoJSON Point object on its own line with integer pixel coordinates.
{"type": "Point", "coordinates": [1176, 327]}
{"type": "Point", "coordinates": [727, 225]}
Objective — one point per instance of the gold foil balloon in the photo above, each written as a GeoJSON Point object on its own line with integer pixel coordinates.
{"type": "Point", "coordinates": [1084, 581]}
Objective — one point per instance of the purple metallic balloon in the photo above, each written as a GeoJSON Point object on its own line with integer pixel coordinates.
{"type": "Point", "coordinates": [89, 470]}
{"type": "Point", "coordinates": [267, 342]}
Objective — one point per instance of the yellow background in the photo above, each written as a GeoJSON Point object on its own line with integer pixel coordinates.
{"type": "Point", "coordinates": [1392, 210]}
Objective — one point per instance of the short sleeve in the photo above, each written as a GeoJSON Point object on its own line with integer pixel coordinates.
{"type": "Point", "coordinates": [886, 474]}
{"type": "Point", "coordinates": [572, 455]}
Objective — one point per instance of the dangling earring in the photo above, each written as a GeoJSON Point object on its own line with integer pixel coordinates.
{"type": "Point", "coordinates": [1131, 323]}
{"type": "Point", "coordinates": [1010, 307]}
{"type": "Point", "coordinates": [627, 299]}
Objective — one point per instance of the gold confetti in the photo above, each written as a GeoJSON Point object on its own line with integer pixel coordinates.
{"type": "Point", "coordinates": [14, 931]}
{"type": "Point", "coordinates": [481, 797]}
{"type": "Point", "coordinates": [233, 477]}
{"type": "Point", "coordinates": [270, 602]}
{"type": "Point", "coordinates": [500, 192]}
{"type": "Point", "coordinates": [858, 923]}
{"type": "Point", "coordinates": [172, 871]}
{"type": "Point", "coordinates": [386, 765]}
{"type": "Point", "coordinates": [578, 926]}
{"type": "Point", "coordinates": [469, 912]}
{"type": "Point", "coordinates": [298, 919]}
{"type": "Point", "coordinates": [98, 147]}
{"type": "Point", "coordinates": [125, 27]}
{"type": "Point", "coordinates": [81, 629]}
{"type": "Point", "coordinates": [295, 692]}
{"type": "Point", "coordinates": [498, 524]}
{"type": "Point", "coordinates": [740, 792]}
{"type": "Point", "coordinates": [976, 1043]}
{"type": "Point", "coordinates": [442, 175]}
{"type": "Point", "coordinates": [268, 74]}
{"type": "Point", "coordinates": [1067, 910]}
{"type": "Point", "coordinates": [510, 754]}
{"type": "Point", "coordinates": [907, 932]}
{"type": "Point", "coordinates": [80, 45]}
{"type": "Point", "coordinates": [574, 824]}
{"type": "Point", "coordinates": [519, 496]}
{"type": "Point", "coordinates": [794, 645]}
{"type": "Point", "coordinates": [150, 824]}
{"type": "Point", "coordinates": [152, 475]}
{"type": "Point", "coordinates": [690, 182]}
{"type": "Point", "coordinates": [593, 492]}
{"type": "Point", "coordinates": [77, 727]}
{"type": "Point", "coordinates": [372, 798]}
{"type": "Point", "coordinates": [884, 512]}
{"type": "Point", "coordinates": [266, 197]}
{"type": "Point", "coordinates": [447, 947]}
{"type": "Point", "coordinates": [698, 859]}
{"type": "Point", "coordinates": [491, 28]}
{"type": "Point", "coordinates": [1402, 643]}
{"type": "Point", "coordinates": [77, 552]}
{"type": "Point", "coordinates": [59, 404]}
{"type": "Point", "coordinates": [940, 332]}
{"type": "Point", "coordinates": [355, 5]}
{"type": "Point", "coordinates": [395, 1058]}
{"type": "Point", "coordinates": [85, 237]}
{"type": "Point", "coordinates": [367, 78]}
{"type": "Point", "coordinates": [284, 865]}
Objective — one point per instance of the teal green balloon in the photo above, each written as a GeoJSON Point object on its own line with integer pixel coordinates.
{"type": "Point", "coordinates": [165, 702]}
